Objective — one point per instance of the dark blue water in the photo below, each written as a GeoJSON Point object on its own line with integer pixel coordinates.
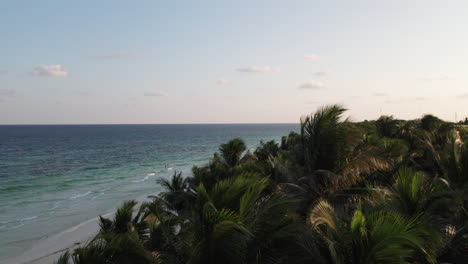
{"type": "Point", "coordinates": [54, 177]}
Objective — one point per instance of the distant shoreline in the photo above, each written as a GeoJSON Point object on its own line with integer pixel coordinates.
{"type": "Point", "coordinates": [151, 124]}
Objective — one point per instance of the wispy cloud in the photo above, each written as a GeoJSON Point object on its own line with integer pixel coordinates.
{"type": "Point", "coordinates": [379, 94]}
{"type": "Point", "coordinates": [312, 57]}
{"type": "Point", "coordinates": [420, 98]}
{"type": "Point", "coordinates": [83, 92]}
{"type": "Point", "coordinates": [222, 81]}
{"type": "Point", "coordinates": [321, 74]}
{"type": "Point", "coordinates": [391, 102]}
{"type": "Point", "coordinates": [259, 69]}
{"type": "Point", "coordinates": [3, 72]}
{"type": "Point", "coordinates": [155, 94]}
{"type": "Point", "coordinates": [463, 96]}
{"type": "Point", "coordinates": [6, 94]}
{"type": "Point", "coordinates": [312, 85]}
{"type": "Point", "coordinates": [435, 77]}
{"type": "Point", "coordinates": [50, 70]}
{"type": "Point", "coordinates": [116, 56]}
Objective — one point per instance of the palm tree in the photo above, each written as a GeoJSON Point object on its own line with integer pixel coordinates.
{"type": "Point", "coordinates": [119, 240]}
{"type": "Point", "coordinates": [387, 126]}
{"type": "Point", "coordinates": [367, 237]}
{"type": "Point", "coordinates": [414, 193]}
{"type": "Point", "coordinates": [179, 193]}
{"type": "Point", "coordinates": [64, 258]}
{"type": "Point", "coordinates": [237, 223]}
{"type": "Point", "coordinates": [267, 150]}
{"type": "Point", "coordinates": [219, 234]}
{"type": "Point", "coordinates": [388, 191]}
{"type": "Point", "coordinates": [231, 152]}
{"type": "Point", "coordinates": [430, 123]}
{"type": "Point", "coordinates": [166, 229]}
{"type": "Point", "coordinates": [322, 138]}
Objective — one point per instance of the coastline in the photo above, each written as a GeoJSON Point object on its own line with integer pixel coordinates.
{"type": "Point", "coordinates": [48, 249]}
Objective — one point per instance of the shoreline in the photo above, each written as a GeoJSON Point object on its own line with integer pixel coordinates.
{"type": "Point", "coordinates": [48, 249]}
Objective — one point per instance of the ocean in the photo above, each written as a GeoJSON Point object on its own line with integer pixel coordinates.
{"type": "Point", "coordinates": [54, 177]}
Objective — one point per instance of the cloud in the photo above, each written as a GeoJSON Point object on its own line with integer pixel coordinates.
{"type": "Point", "coordinates": [116, 56]}
{"type": "Point", "coordinates": [155, 94]}
{"type": "Point", "coordinates": [312, 85]}
{"type": "Point", "coordinates": [420, 98]}
{"type": "Point", "coordinates": [463, 96]}
{"type": "Point", "coordinates": [378, 94]}
{"type": "Point", "coordinates": [321, 74]}
{"type": "Point", "coordinates": [259, 69]}
{"type": "Point", "coordinates": [222, 81]}
{"type": "Point", "coordinates": [2, 72]}
{"type": "Point", "coordinates": [312, 57]}
{"type": "Point", "coordinates": [83, 92]}
{"type": "Point", "coordinates": [50, 70]}
{"type": "Point", "coordinates": [435, 77]}
{"type": "Point", "coordinates": [6, 93]}
{"type": "Point", "coordinates": [391, 102]}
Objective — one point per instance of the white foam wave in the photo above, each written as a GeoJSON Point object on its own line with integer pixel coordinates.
{"type": "Point", "coordinates": [80, 195]}
{"type": "Point", "coordinates": [19, 223]}
{"type": "Point", "coordinates": [53, 207]}
{"type": "Point", "coordinates": [99, 194]}
{"type": "Point", "coordinates": [106, 189]}
{"type": "Point", "coordinates": [74, 228]}
{"type": "Point", "coordinates": [151, 174]}
{"type": "Point", "coordinates": [14, 227]}
{"type": "Point", "coordinates": [142, 180]}
{"type": "Point", "coordinates": [28, 218]}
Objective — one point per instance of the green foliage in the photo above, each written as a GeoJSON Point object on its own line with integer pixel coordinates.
{"type": "Point", "coordinates": [430, 123]}
{"type": "Point", "coordinates": [367, 237]}
{"type": "Point", "coordinates": [384, 191]}
{"type": "Point", "coordinates": [231, 151]}
{"type": "Point", "coordinates": [267, 150]}
{"type": "Point", "coordinates": [387, 126]}
{"type": "Point", "coordinates": [322, 137]}
{"type": "Point", "coordinates": [64, 258]}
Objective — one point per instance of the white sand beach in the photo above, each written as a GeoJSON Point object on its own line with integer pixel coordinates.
{"type": "Point", "coordinates": [48, 249]}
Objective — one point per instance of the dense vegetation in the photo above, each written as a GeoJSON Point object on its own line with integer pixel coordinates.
{"type": "Point", "coordinates": [384, 191]}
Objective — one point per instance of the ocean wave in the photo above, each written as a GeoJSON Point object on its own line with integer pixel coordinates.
{"type": "Point", "coordinates": [101, 192]}
{"type": "Point", "coordinates": [96, 196]}
{"type": "Point", "coordinates": [56, 205]}
{"type": "Point", "coordinates": [105, 189]}
{"type": "Point", "coordinates": [148, 175]}
{"type": "Point", "coordinates": [80, 195]}
{"type": "Point", "coordinates": [17, 226]}
{"type": "Point", "coordinates": [142, 180]}
{"type": "Point", "coordinates": [10, 225]}
{"type": "Point", "coordinates": [74, 228]}
{"type": "Point", "coordinates": [28, 218]}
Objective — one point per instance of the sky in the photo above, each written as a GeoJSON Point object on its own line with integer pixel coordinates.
{"type": "Point", "coordinates": [243, 61]}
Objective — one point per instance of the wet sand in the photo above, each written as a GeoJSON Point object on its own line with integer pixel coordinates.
{"type": "Point", "coordinates": [48, 249]}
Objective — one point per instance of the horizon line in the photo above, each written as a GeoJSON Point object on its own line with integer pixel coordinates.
{"type": "Point", "coordinates": [138, 124]}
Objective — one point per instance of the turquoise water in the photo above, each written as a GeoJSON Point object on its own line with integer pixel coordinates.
{"type": "Point", "coordinates": [55, 177]}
